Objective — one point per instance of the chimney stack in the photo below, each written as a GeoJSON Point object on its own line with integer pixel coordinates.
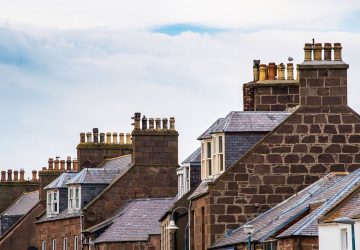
{"type": "Point", "coordinates": [96, 135]}
{"type": "Point", "coordinates": [62, 165]}
{"type": "Point", "coordinates": [121, 136]}
{"type": "Point", "coordinates": [281, 70]}
{"type": "Point", "coordinates": [82, 137]}
{"type": "Point", "coordinates": [3, 176]}
{"type": "Point", "coordinates": [102, 137]}
{"type": "Point", "coordinates": [323, 82]}
{"type": "Point", "coordinates": [22, 175]}
{"type": "Point", "coordinates": [290, 71]}
{"type": "Point", "coordinates": [34, 175]}
{"type": "Point", "coordinates": [9, 176]}
{"type": "Point", "coordinates": [51, 161]}
{"type": "Point", "coordinates": [16, 175]}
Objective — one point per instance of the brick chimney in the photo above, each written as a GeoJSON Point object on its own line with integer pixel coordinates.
{"type": "Point", "coordinates": [273, 88]}
{"type": "Point", "coordinates": [323, 80]}
{"type": "Point", "coordinates": [154, 146]}
{"type": "Point", "coordinates": [93, 148]}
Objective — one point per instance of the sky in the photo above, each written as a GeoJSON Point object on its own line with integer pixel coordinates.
{"type": "Point", "coordinates": [69, 66]}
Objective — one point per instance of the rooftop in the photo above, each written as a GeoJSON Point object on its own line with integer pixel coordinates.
{"type": "Point", "coordinates": [135, 221]}
{"type": "Point", "coordinates": [23, 204]}
{"type": "Point", "coordinates": [326, 192]}
{"type": "Point", "coordinates": [61, 181]}
{"type": "Point", "coordinates": [195, 157]}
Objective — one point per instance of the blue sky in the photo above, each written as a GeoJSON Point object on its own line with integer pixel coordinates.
{"type": "Point", "coordinates": [60, 76]}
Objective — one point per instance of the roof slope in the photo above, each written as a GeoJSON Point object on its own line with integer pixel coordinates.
{"type": "Point", "coordinates": [117, 163]}
{"type": "Point", "coordinates": [136, 220]}
{"type": "Point", "coordinates": [195, 157]}
{"type": "Point", "coordinates": [61, 181]}
{"type": "Point", "coordinates": [23, 204]}
{"type": "Point", "coordinates": [210, 130]}
{"type": "Point", "coordinates": [327, 191]}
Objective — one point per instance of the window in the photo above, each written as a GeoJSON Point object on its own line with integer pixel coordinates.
{"type": "Point", "coordinates": [208, 158]}
{"type": "Point", "coordinates": [74, 199]}
{"type": "Point", "coordinates": [187, 177]}
{"type": "Point", "coordinates": [65, 244]}
{"type": "Point", "coordinates": [53, 244]}
{"type": "Point", "coordinates": [271, 245]}
{"type": "Point", "coordinates": [76, 242]}
{"type": "Point", "coordinates": [344, 239]}
{"type": "Point", "coordinates": [221, 153]}
{"type": "Point", "coordinates": [52, 202]}
{"type": "Point", "coordinates": [43, 245]}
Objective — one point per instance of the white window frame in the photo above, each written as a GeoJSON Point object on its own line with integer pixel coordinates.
{"type": "Point", "coordinates": [74, 202]}
{"type": "Point", "coordinates": [53, 244]}
{"type": "Point", "coordinates": [208, 159]}
{"type": "Point", "coordinates": [52, 204]}
{"type": "Point", "coordinates": [65, 244]}
{"type": "Point", "coordinates": [43, 245]}
{"type": "Point", "coordinates": [76, 242]}
{"type": "Point", "coordinates": [221, 157]}
{"type": "Point", "coordinates": [344, 241]}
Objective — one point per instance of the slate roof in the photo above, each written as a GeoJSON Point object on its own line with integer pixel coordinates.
{"type": "Point", "coordinates": [119, 163]}
{"type": "Point", "coordinates": [136, 220]}
{"type": "Point", "coordinates": [62, 215]}
{"type": "Point", "coordinates": [60, 182]}
{"type": "Point", "coordinates": [195, 157]}
{"type": "Point", "coordinates": [110, 168]}
{"type": "Point", "coordinates": [246, 121]}
{"type": "Point", "coordinates": [23, 204]}
{"type": "Point", "coordinates": [326, 192]}
{"type": "Point", "coordinates": [200, 190]}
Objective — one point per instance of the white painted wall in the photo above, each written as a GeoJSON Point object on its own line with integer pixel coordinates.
{"type": "Point", "coordinates": [330, 236]}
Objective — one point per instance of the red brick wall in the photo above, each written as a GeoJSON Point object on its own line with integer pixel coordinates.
{"type": "Point", "coordinates": [59, 229]}
{"type": "Point", "coordinates": [270, 96]}
{"type": "Point", "coordinates": [23, 234]}
{"type": "Point", "coordinates": [152, 244]}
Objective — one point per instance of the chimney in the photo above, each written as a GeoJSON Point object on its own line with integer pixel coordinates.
{"type": "Point", "coordinates": [3, 176]}
{"type": "Point", "coordinates": [51, 161]}
{"type": "Point", "coordinates": [16, 175]}
{"type": "Point", "coordinates": [108, 137]}
{"type": "Point", "coordinates": [68, 163]}
{"type": "Point", "coordinates": [256, 70]}
{"type": "Point", "coordinates": [96, 135]}
{"type": "Point", "coordinates": [9, 176]}
{"type": "Point", "coordinates": [128, 138]}
{"type": "Point", "coordinates": [75, 165]}
{"type": "Point", "coordinates": [281, 70]}
{"type": "Point", "coordinates": [102, 137]}
{"type": "Point", "coordinates": [62, 165]}
{"type": "Point", "coordinates": [121, 136]}
{"type": "Point", "coordinates": [56, 163]}
{"type": "Point", "coordinates": [290, 71]}
{"type": "Point", "coordinates": [82, 137]}
{"type": "Point", "coordinates": [157, 147]}
{"type": "Point", "coordinates": [323, 82]}
{"type": "Point", "coordinates": [272, 71]}
{"type": "Point", "coordinates": [22, 175]}
{"type": "Point", "coordinates": [262, 76]}
{"type": "Point", "coordinates": [115, 141]}
{"type": "Point", "coordinates": [34, 176]}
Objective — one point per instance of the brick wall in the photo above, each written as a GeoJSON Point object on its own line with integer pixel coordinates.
{"type": "Point", "coordinates": [293, 243]}
{"type": "Point", "coordinates": [152, 244]}
{"type": "Point", "coordinates": [202, 227]}
{"type": "Point", "coordinates": [47, 231]}
{"type": "Point", "coordinates": [10, 191]}
{"type": "Point", "coordinates": [236, 144]}
{"type": "Point", "coordinates": [270, 96]}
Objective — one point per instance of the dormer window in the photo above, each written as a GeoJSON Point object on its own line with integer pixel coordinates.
{"type": "Point", "coordinates": [208, 159]}
{"type": "Point", "coordinates": [52, 202]}
{"type": "Point", "coordinates": [74, 199]}
{"type": "Point", "coordinates": [221, 153]}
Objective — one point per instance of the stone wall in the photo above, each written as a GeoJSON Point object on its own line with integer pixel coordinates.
{"type": "Point", "coordinates": [201, 219]}
{"type": "Point", "coordinates": [237, 144]}
{"type": "Point", "coordinates": [47, 231]}
{"type": "Point", "coordinates": [270, 96]}
{"type": "Point", "coordinates": [294, 243]}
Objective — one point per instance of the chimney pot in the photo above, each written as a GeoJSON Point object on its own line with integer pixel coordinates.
{"type": "Point", "coordinates": [34, 172]}
{"type": "Point", "coordinates": [272, 71]}
{"type": "Point", "coordinates": [137, 117]}
{"type": "Point", "coordinates": [102, 137]}
{"type": "Point", "coordinates": [9, 177]}
{"type": "Point", "coordinates": [308, 51]}
{"type": "Point", "coordinates": [281, 69]}
{"type": "Point", "coordinates": [327, 51]}
{"type": "Point", "coordinates": [256, 70]}
{"type": "Point", "coordinates": [56, 164]}
{"type": "Point", "coordinates": [82, 137]}
{"type": "Point", "coordinates": [68, 163]}
{"type": "Point", "coordinates": [165, 123]}
{"type": "Point", "coordinates": [16, 175]}
{"type": "Point", "coordinates": [172, 123]}
{"type": "Point", "coordinates": [337, 52]}
{"type": "Point", "coordinates": [51, 161]}
{"type": "Point", "coordinates": [22, 175]}
{"type": "Point", "coordinates": [158, 123]}
{"type": "Point", "coordinates": [62, 165]}
{"type": "Point", "coordinates": [96, 135]}
{"type": "Point", "coordinates": [144, 123]}
{"type": "Point", "coordinates": [122, 140]}
{"type": "Point", "coordinates": [3, 176]}
{"type": "Point", "coordinates": [151, 123]}
{"type": "Point", "coordinates": [108, 137]}
{"type": "Point", "coordinates": [262, 76]}
{"type": "Point", "coordinates": [75, 165]}
{"type": "Point", "coordinates": [115, 140]}
{"type": "Point", "coordinates": [88, 137]}
{"type": "Point", "coordinates": [290, 71]}
{"type": "Point", "coordinates": [128, 138]}
{"type": "Point", "coordinates": [318, 52]}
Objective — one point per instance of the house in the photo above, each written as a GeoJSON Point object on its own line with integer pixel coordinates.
{"type": "Point", "coordinates": [293, 224]}
{"type": "Point", "coordinates": [335, 234]}
{"type": "Point", "coordinates": [320, 136]}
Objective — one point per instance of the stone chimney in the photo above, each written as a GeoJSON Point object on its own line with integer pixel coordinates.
{"type": "Point", "coordinates": [154, 147]}
{"type": "Point", "coordinates": [323, 78]}
{"type": "Point", "coordinates": [99, 146]}
{"type": "Point", "coordinates": [273, 88]}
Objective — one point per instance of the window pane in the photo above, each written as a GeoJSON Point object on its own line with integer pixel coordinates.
{"type": "Point", "coordinates": [221, 162]}
{"type": "Point", "coordinates": [208, 148]}
{"type": "Point", "coordinates": [209, 167]}
{"type": "Point", "coordinates": [220, 144]}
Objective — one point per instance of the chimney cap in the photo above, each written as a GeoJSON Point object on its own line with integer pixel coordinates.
{"type": "Point", "coordinates": [95, 130]}
{"type": "Point", "coordinates": [256, 63]}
